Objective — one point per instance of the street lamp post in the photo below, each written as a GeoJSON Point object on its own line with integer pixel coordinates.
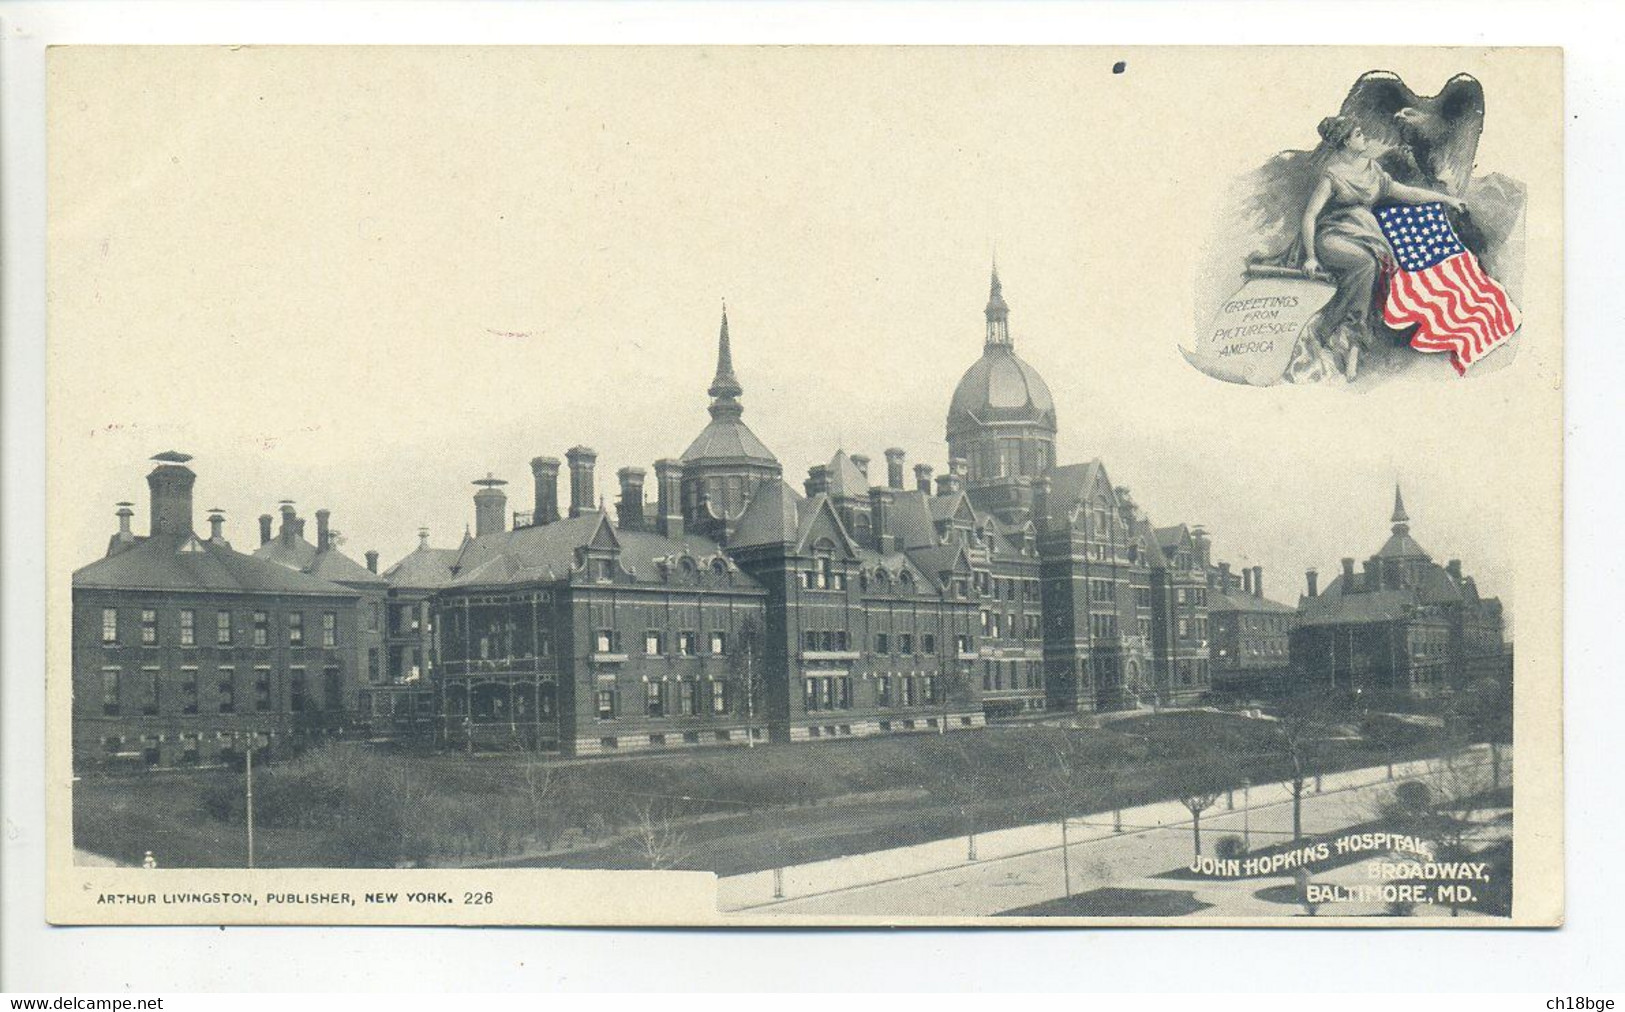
{"type": "Point", "coordinates": [248, 802]}
{"type": "Point", "coordinates": [1246, 815]}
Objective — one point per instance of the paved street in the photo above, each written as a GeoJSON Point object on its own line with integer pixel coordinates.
{"type": "Point", "coordinates": [1023, 866]}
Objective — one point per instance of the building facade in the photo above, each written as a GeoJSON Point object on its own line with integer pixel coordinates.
{"type": "Point", "coordinates": [732, 607]}
{"type": "Point", "coordinates": [1402, 624]}
{"type": "Point", "coordinates": [187, 652]}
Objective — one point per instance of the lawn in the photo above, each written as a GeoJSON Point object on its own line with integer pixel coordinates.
{"type": "Point", "coordinates": [726, 810]}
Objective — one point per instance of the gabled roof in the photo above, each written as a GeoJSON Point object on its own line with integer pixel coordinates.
{"type": "Point", "coordinates": [548, 554]}
{"type": "Point", "coordinates": [182, 562]}
{"type": "Point", "coordinates": [772, 517]}
{"type": "Point", "coordinates": [845, 479]}
{"type": "Point", "coordinates": [333, 565]}
{"type": "Point", "coordinates": [911, 521]}
{"type": "Point", "coordinates": [424, 568]}
{"type": "Point", "coordinates": [1070, 484]}
{"type": "Point", "coordinates": [1242, 601]}
{"type": "Point", "coordinates": [812, 511]}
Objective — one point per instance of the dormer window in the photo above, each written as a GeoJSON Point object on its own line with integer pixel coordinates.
{"type": "Point", "coordinates": [603, 570]}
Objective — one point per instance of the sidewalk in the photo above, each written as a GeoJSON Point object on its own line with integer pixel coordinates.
{"type": "Point", "coordinates": [898, 865]}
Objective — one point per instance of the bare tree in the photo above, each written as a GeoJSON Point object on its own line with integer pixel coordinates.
{"type": "Point", "coordinates": [745, 662]}
{"type": "Point", "coordinates": [1302, 726]}
{"type": "Point", "coordinates": [966, 786]}
{"type": "Point", "coordinates": [1196, 804]}
{"type": "Point", "coordinates": [545, 793]}
{"type": "Point", "coordinates": [657, 838]}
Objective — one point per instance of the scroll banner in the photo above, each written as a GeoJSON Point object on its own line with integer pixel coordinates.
{"type": "Point", "coordinates": [1253, 334]}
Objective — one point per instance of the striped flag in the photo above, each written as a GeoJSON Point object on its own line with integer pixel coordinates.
{"type": "Point", "coordinates": [1438, 285]}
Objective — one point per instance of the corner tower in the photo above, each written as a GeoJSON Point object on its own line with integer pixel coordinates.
{"type": "Point", "coordinates": [1001, 421]}
{"type": "Point", "coordinates": [726, 462]}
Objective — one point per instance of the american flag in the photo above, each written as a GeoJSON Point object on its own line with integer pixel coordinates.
{"type": "Point", "coordinates": [1438, 285]}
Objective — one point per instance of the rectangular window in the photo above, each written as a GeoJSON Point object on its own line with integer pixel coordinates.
{"type": "Point", "coordinates": [905, 643]}
{"type": "Point", "coordinates": [604, 641]}
{"type": "Point", "coordinates": [965, 644]}
{"type": "Point", "coordinates": [908, 691]}
{"type": "Point", "coordinates": [110, 696]}
{"type": "Point", "coordinates": [189, 690]}
{"type": "Point", "coordinates": [296, 628]}
{"type": "Point", "coordinates": [842, 641]}
{"type": "Point", "coordinates": [688, 701]}
{"type": "Point", "coordinates": [883, 690]}
{"type": "Point", "coordinates": [222, 628]}
{"type": "Point", "coordinates": [882, 643]}
{"type": "Point", "coordinates": [330, 628]}
{"type": "Point", "coordinates": [188, 627]}
{"type": "Point", "coordinates": [149, 691]}
{"type": "Point", "coordinates": [809, 640]}
{"type": "Point", "coordinates": [374, 673]}
{"type": "Point", "coordinates": [719, 697]}
{"type": "Point", "coordinates": [928, 643]}
{"type": "Point", "coordinates": [226, 689]}
{"type": "Point", "coordinates": [688, 644]}
{"type": "Point", "coordinates": [373, 616]}
{"type": "Point", "coordinates": [719, 643]}
{"type": "Point", "coordinates": [262, 690]}
{"type": "Point", "coordinates": [149, 626]}
{"type": "Point", "coordinates": [987, 676]}
{"type": "Point", "coordinates": [1184, 628]}
{"type": "Point", "coordinates": [826, 640]}
{"type": "Point", "coordinates": [109, 625]}
{"type": "Point", "coordinates": [606, 704]}
{"type": "Point", "coordinates": [262, 629]}
{"type": "Point", "coordinates": [655, 701]}
{"type": "Point", "coordinates": [544, 643]}
{"type": "Point", "coordinates": [930, 687]}
{"type": "Point", "coordinates": [653, 643]}
{"type": "Point", "coordinates": [296, 689]}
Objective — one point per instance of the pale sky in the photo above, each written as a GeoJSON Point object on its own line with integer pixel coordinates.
{"type": "Point", "coordinates": [362, 279]}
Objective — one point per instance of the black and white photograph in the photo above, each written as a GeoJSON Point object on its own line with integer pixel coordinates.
{"type": "Point", "coordinates": [709, 485]}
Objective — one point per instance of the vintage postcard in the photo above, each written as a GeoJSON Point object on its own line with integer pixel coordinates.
{"type": "Point", "coordinates": [805, 486]}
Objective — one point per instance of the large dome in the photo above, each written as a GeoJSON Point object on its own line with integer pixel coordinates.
{"type": "Point", "coordinates": [1000, 387]}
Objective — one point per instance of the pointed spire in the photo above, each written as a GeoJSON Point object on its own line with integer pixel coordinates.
{"type": "Point", "coordinates": [998, 313]}
{"type": "Point", "coordinates": [1400, 519]}
{"type": "Point", "coordinates": [725, 388]}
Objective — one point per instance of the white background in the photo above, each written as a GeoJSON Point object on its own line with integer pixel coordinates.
{"type": "Point", "coordinates": [1577, 959]}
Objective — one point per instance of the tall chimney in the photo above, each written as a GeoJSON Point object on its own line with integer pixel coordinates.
{"type": "Point", "coordinates": [669, 496]}
{"type": "Point", "coordinates": [545, 471]}
{"type": "Point", "coordinates": [1348, 576]}
{"type": "Point", "coordinates": [1258, 580]}
{"type": "Point", "coordinates": [170, 487]}
{"type": "Point", "coordinates": [894, 467]}
{"type": "Point", "coordinates": [922, 478]}
{"type": "Point", "coordinates": [265, 528]}
{"type": "Point", "coordinates": [1373, 574]}
{"type": "Point", "coordinates": [861, 462]}
{"type": "Point", "coordinates": [1246, 581]}
{"type": "Point", "coordinates": [423, 538]}
{"type": "Point", "coordinates": [880, 500]}
{"type": "Point", "coordinates": [372, 560]}
{"type": "Point", "coordinates": [1224, 577]}
{"type": "Point", "coordinates": [490, 506]}
{"type": "Point", "coordinates": [290, 524]}
{"type": "Point", "coordinates": [630, 508]}
{"type": "Point", "coordinates": [1313, 579]}
{"type": "Point", "coordinates": [1453, 567]}
{"type": "Point", "coordinates": [124, 513]}
{"type": "Point", "coordinates": [582, 497]}
{"type": "Point", "coordinates": [817, 482]}
{"type": "Point", "coordinates": [324, 530]}
{"type": "Point", "coordinates": [217, 523]}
